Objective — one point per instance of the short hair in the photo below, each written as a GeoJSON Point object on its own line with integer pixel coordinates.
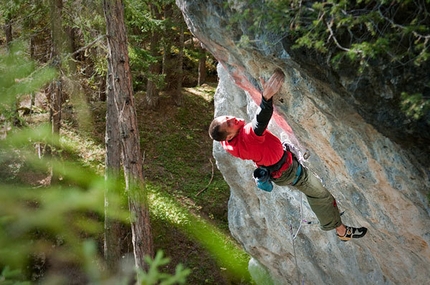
{"type": "Point", "coordinates": [215, 133]}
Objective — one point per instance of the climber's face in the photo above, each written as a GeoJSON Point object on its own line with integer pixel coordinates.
{"type": "Point", "coordinates": [230, 125]}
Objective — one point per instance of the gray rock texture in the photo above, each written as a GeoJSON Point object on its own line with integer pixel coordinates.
{"type": "Point", "coordinates": [379, 182]}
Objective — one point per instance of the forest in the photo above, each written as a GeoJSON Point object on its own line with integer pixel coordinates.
{"type": "Point", "coordinates": [108, 175]}
{"type": "Point", "coordinates": [83, 202]}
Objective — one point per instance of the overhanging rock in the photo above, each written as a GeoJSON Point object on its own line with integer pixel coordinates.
{"type": "Point", "coordinates": [379, 183]}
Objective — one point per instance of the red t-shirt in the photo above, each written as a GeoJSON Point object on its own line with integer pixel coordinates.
{"type": "Point", "coordinates": [264, 150]}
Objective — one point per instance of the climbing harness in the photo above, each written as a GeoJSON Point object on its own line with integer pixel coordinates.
{"type": "Point", "coordinates": [262, 174]}
{"type": "Point", "coordinates": [301, 156]}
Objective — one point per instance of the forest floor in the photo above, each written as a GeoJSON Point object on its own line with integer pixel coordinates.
{"type": "Point", "coordinates": [178, 156]}
{"type": "Point", "coordinates": [178, 161]}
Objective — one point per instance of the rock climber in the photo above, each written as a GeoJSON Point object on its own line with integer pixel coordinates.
{"type": "Point", "coordinates": [276, 162]}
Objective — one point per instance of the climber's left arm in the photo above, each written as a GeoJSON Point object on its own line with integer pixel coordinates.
{"type": "Point", "coordinates": [270, 88]}
{"type": "Point", "coordinates": [262, 118]}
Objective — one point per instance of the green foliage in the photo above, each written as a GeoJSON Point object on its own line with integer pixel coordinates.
{"type": "Point", "coordinates": [139, 18]}
{"type": "Point", "coordinates": [85, 16]}
{"type": "Point", "coordinates": [20, 76]}
{"type": "Point", "coordinates": [153, 31]}
{"type": "Point", "coordinates": [260, 275]}
{"type": "Point", "coordinates": [415, 106]}
{"type": "Point", "coordinates": [84, 20]}
{"type": "Point", "coordinates": [32, 15]}
{"type": "Point", "coordinates": [141, 25]}
{"type": "Point", "coordinates": [36, 219]}
{"type": "Point", "coordinates": [365, 33]}
{"type": "Point", "coordinates": [154, 276]}
{"type": "Point", "coordinates": [61, 222]}
{"type": "Point", "coordinates": [15, 277]}
{"type": "Point", "coordinates": [223, 248]}
{"type": "Point", "coordinates": [372, 28]}
{"type": "Point", "coordinates": [48, 219]}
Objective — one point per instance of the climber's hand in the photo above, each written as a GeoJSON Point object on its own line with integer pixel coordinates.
{"type": "Point", "coordinates": [274, 84]}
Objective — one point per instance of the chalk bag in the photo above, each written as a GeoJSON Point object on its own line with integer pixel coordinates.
{"type": "Point", "coordinates": [262, 179]}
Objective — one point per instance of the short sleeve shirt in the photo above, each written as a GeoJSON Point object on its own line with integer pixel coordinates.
{"type": "Point", "coordinates": [264, 150]}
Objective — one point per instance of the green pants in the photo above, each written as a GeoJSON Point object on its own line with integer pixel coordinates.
{"type": "Point", "coordinates": [320, 200]}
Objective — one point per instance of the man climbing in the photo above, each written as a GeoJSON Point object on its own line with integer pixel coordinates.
{"type": "Point", "coordinates": [276, 162]}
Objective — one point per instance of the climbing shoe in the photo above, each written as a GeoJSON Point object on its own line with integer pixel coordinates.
{"type": "Point", "coordinates": [353, 233]}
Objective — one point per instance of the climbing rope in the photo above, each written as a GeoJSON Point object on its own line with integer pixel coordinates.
{"type": "Point", "coordinates": [294, 252]}
{"type": "Point", "coordinates": [294, 236]}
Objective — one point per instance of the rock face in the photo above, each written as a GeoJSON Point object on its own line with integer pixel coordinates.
{"type": "Point", "coordinates": [378, 182]}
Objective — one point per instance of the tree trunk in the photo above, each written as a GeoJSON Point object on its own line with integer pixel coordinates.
{"type": "Point", "coordinates": [152, 97]}
{"type": "Point", "coordinates": [55, 89]}
{"type": "Point", "coordinates": [152, 93]}
{"type": "Point", "coordinates": [120, 81]}
{"type": "Point", "coordinates": [55, 94]}
{"type": "Point", "coordinates": [8, 28]}
{"type": "Point", "coordinates": [114, 232]}
{"type": "Point", "coordinates": [167, 45]}
{"type": "Point", "coordinates": [202, 67]}
{"type": "Point", "coordinates": [178, 94]}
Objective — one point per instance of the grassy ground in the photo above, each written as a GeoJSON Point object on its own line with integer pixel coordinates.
{"type": "Point", "coordinates": [178, 158]}
{"type": "Point", "coordinates": [178, 167]}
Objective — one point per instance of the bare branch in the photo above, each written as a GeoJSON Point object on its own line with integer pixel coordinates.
{"type": "Point", "coordinates": [210, 181]}
{"type": "Point", "coordinates": [332, 36]}
{"type": "Point", "coordinates": [87, 46]}
{"type": "Point", "coordinates": [419, 36]}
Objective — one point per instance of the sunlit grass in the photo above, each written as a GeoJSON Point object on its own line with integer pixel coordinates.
{"type": "Point", "coordinates": [221, 246]}
{"type": "Point", "coordinates": [89, 153]}
{"type": "Point", "coordinates": [205, 91]}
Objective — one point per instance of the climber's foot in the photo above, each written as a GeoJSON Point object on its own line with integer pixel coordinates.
{"type": "Point", "coordinates": [352, 232]}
